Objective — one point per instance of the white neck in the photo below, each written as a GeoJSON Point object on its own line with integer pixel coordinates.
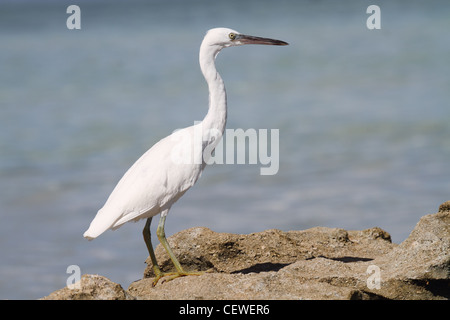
{"type": "Point", "coordinates": [216, 117]}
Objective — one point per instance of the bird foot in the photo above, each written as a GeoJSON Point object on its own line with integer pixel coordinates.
{"type": "Point", "coordinates": [168, 276]}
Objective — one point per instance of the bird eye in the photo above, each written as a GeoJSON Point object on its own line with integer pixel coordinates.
{"type": "Point", "coordinates": [232, 36]}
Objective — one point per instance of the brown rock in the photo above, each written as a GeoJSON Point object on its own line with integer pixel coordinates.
{"type": "Point", "coordinates": [91, 287]}
{"type": "Point", "coordinates": [444, 207]}
{"type": "Point", "coordinates": [318, 263]}
{"type": "Point", "coordinates": [269, 250]}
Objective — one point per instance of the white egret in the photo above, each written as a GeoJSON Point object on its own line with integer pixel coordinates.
{"type": "Point", "coordinates": [169, 168]}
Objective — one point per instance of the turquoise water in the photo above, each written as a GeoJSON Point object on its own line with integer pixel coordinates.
{"type": "Point", "coordinates": [363, 120]}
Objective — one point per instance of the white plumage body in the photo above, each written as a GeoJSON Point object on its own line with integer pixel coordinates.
{"type": "Point", "coordinates": [174, 164]}
{"type": "Point", "coordinates": [154, 182]}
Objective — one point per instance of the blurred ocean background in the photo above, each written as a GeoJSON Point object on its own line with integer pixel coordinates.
{"type": "Point", "coordinates": [363, 117]}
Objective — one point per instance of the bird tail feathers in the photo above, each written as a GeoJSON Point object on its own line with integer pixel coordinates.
{"type": "Point", "coordinates": [100, 224]}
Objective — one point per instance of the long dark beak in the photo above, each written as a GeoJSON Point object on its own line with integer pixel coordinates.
{"type": "Point", "coordinates": [245, 39]}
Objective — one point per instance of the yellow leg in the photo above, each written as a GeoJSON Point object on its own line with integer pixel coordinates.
{"type": "Point", "coordinates": [148, 242]}
{"type": "Point", "coordinates": [162, 238]}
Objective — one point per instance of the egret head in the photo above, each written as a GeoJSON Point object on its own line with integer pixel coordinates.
{"type": "Point", "coordinates": [224, 37]}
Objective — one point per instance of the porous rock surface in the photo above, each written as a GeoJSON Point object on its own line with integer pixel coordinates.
{"type": "Point", "coordinates": [318, 263]}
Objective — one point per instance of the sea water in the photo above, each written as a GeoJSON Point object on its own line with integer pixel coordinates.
{"type": "Point", "coordinates": [362, 118]}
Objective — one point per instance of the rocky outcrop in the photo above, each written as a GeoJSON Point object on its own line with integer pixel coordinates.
{"type": "Point", "coordinates": [318, 263]}
{"type": "Point", "coordinates": [91, 287]}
